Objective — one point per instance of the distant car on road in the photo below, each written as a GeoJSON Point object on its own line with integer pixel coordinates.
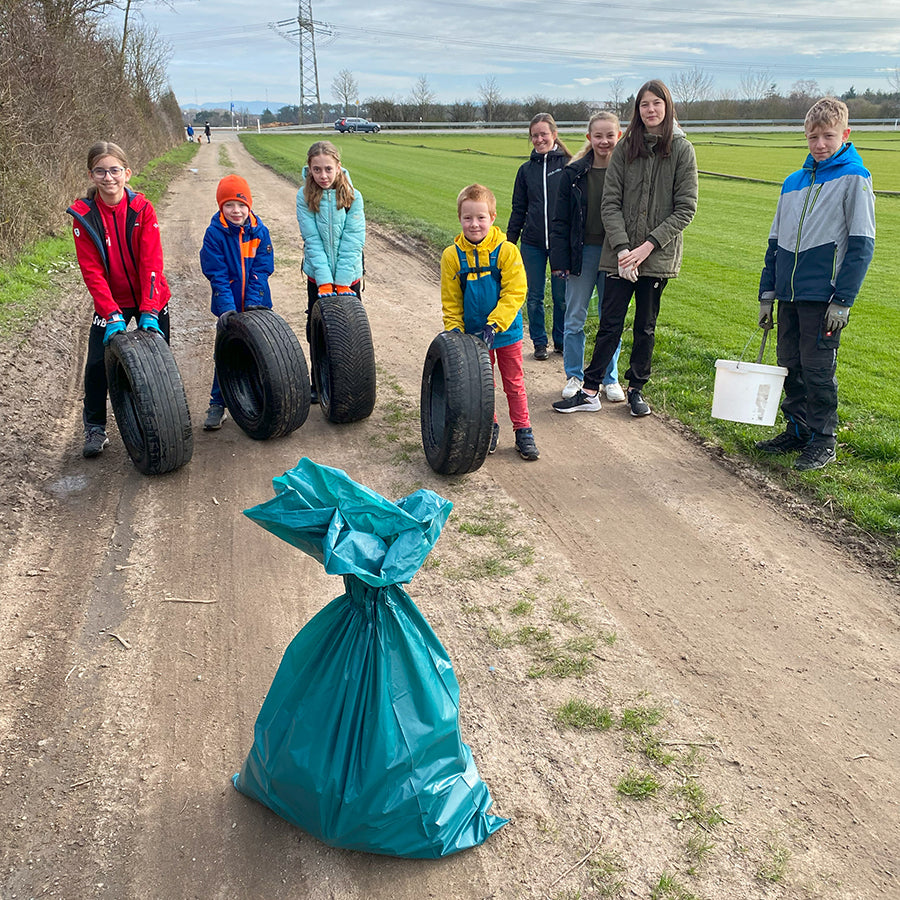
{"type": "Point", "coordinates": [355, 123]}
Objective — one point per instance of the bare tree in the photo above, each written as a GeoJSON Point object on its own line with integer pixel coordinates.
{"type": "Point", "coordinates": [146, 58]}
{"type": "Point", "coordinates": [489, 93]}
{"type": "Point", "coordinates": [617, 94]}
{"type": "Point", "coordinates": [754, 85]}
{"type": "Point", "coordinates": [422, 98]}
{"type": "Point", "coordinates": [345, 89]}
{"type": "Point", "coordinates": [893, 77]}
{"type": "Point", "coordinates": [805, 89]}
{"type": "Point", "coordinates": [691, 86]}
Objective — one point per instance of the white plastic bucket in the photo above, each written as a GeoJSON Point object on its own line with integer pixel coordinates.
{"type": "Point", "coordinates": [747, 392]}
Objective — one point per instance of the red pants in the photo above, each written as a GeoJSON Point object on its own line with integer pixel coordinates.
{"type": "Point", "coordinates": [512, 374]}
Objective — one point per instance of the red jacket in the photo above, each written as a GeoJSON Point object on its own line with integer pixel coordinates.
{"type": "Point", "coordinates": [119, 264]}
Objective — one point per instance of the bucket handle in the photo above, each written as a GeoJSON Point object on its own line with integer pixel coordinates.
{"type": "Point", "coordinates": [762, 346]}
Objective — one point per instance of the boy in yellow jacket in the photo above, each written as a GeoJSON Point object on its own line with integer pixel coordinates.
{"type": "Point", "coordinates": [483, 288]}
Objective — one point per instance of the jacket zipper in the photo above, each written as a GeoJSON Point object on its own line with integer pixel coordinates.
{"type": "Point", "coordinates": [122, 258]}
{"type": "Point", "coordinates": [546, 205]}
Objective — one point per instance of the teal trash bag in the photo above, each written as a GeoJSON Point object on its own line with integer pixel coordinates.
{"type": "Point", "coordinates": [358, 741]}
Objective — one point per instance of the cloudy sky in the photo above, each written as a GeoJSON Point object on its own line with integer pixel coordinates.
{"type": "Point", "coordinates": [559, 49]}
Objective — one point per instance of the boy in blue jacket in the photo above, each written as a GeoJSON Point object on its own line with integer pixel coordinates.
{"type": "Point", "coordinates": [820, 247]}
{"type": "Point", "coordinates": [237, 258]}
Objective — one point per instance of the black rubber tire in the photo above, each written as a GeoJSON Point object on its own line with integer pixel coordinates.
{"type": "Point", "coordinates": [457, 403]}
{"type": "Point", "coordinates": [262, 373]}
{"type": "Point", "coordinates": [148, 401]}
{"type": "Point", "coordinates": [343, 358]}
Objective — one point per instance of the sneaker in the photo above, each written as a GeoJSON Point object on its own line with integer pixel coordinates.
{"type": "Point", "coordinates": [614, 392]}
{"type": "Point", "coordinates": [540, 351]}
{"type": "Point", "coordinates": [579, 402]}
{"type": "Point", "coordinates": [786, 442]}
{"type": "Point", "coordinates": [525, 444]}
{"type": "Point", "coordinates": [557, 348]}
{"type": "Point", "coordinates": [639, 406]}
{"type": "Point", "coordinates": [215, 416]}
{"type": "Point", "coordinates": [573, 386]}
{"type": "Point", "coordinates": [814, 456]}
{"type": "Point", "coordinates": [495, 437]}
{"type": "Point", "coordinates": [95, 440]}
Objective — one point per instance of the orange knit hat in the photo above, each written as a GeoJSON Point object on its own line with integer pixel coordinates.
{"type": "Point", "coordinates": [233, 187]}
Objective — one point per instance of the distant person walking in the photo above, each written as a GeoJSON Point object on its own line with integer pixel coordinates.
{"type": "Point", "coordinates": [533, 207]}
{"type": "Point", "coordinates": [207, 131]}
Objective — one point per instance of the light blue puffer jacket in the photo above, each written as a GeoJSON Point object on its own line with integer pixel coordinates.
{"type": "Point", "coordinates": [333, 238]}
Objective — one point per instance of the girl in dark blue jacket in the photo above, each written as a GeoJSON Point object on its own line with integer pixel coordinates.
{"type": "Point", "coordinates": [533, 207]}
{"type": "Point", "coordinates": [237, 259]}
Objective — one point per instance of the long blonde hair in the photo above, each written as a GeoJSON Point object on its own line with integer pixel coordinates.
{"type": "Point", "coordinates": [604, 115]}
{"type": "Point", "coordinates": [343, 190]}
{"type": "Point", "coordinates": [98, 151]}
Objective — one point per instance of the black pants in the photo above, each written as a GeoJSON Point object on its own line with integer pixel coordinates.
{"type": "Point", "coordinates": [810, 356]}
{"type": "Point", "coordinates": [616, 299]}
{"type": "Point", "coordinates": [95, 386]}
{"type": "Point", "coordinates": [312, 295]}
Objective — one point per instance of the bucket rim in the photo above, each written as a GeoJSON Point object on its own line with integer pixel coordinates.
{"type": "Point", "coordinates": [736, 365]}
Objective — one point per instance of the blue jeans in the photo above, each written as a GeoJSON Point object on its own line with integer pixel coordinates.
{"type": "Point", "coordinates": [535, 260]}
{"type": "Point", "coordinates": [578, 298]}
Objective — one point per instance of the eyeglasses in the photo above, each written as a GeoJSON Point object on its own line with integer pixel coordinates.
{"type": "Point", "coordinates": [100, 172]}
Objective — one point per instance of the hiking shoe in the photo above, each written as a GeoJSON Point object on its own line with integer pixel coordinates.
{"type": "Point", "coordinates": [495, 436]}
{"type": "Point", "coordinates": [786, 442]}
{"type": "Point", "coordinates": [579, 402]}
{"type": "Point", "coordinates": [95, 440]}
{"type": "Point", "coordinates": [573, 386]}
{"type": "Point", "coordinates": [639, 406]}
{"type": "Point", "coordinates": [525, 444]}
{"type": "Point", "coordinates": [540, 351]}
{"type": "Point", "coordinates": [814, 456]}
{"type": "Point", "coordinates": [614, 392]}
{"type": "Point", "coordinates": [215, 416]}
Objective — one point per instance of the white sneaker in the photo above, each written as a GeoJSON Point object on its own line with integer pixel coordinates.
{"type": "Point", "coordinates": [614, 392]}
{"type": "Point", "coordinates": [573, 386]}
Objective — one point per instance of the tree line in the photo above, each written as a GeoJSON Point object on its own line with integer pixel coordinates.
{"type": "Point", "coordinates": [67, 81]}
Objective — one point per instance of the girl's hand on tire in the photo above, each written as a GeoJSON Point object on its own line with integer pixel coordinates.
{"type": "Point", "coordinates": [149, 322]}
{"type": "Point", "coordinates": [114, 324]}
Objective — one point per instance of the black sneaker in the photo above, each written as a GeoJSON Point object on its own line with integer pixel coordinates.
{"type": "Point", "coordinates": [540, 351]}
{"type": "Point", "coordinates": [579, 402]}
{"type": "Point", "coordinates": [495, 436]}
{"type": "Point", "coordinates": [557, 348]}
{"type": "Point", "coordinates": [95, 440]}
{"type": "Point", "coordinates": [215, 416]}
{"type": "Point", "coordinates": [525, 444]}
{"type": "Point", "coordinates": [786, 442]}
{"type": "Point", "coordinates": [639, 406]}
{"type": "Point", "coordinates": [814, 456]}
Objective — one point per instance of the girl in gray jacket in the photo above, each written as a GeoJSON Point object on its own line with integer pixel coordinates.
{"type": "Point", "coordinates": [649, 198]}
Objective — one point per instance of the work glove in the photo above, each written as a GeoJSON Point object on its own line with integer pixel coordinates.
{"type": "Point", "coordinates": [630, 273]}
{"type": "Point", "coordinates": [326, 290]}
{"type": "Point", "coordinates": [222, 321]}
{"type": "Point", "coordinates": [836, 317]}
{"type": "Point", "coordinates": [342, 290]}
{"type": "Point", "coordinates": [766, 314]}
{"type": "Point", "coordinates": [488, 334]}
{"type": "Point", "coordinates": [149, 321]}
{"type": "Point", "coordinates": [114, 324]}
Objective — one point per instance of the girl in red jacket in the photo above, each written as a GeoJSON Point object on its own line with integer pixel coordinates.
{"type": "Point", "coordinates": [120, 253]}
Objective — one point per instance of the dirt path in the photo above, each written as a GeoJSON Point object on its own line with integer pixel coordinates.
{"type": "Point", "coordinates": [124, 712]}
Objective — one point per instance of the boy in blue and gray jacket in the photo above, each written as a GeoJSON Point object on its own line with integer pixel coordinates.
{"type": "Point", "coordinates": [820, 247]}
{"type": "Point", "coordinates": [237, 259]}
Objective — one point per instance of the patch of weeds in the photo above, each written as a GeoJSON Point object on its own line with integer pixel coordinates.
{"type": "Point", "coordinates": [695, 806]}
{"type": "Point", "coordinates": [542, 578]}
{"type": "Point", "coordinates": [492, 567]}
{"type": "Point", "coordinates": [669, 888]}
{"type": "Point", "coordinates": [523, 553]}
{"type": "Point", "coordinates": [774, 866]}
{"type": "Point", "coordinates": [479, 529]}
{"type": "Point", "coordinates": [431, 562]}
{"type": "Point", "coordinates": [608, 637]}
{"type": "Point", "coordinates": [638, 785]}
{"type": "Point", "coordinates": [499, 638]}
{"type": "Point", "coordinates": [568, 895]}
{"type": "Point", "coordinates": [639, 719]}
{"type": "Point", "coordinates": [655, 751]}
{"type": "Point", "coordinates": [605, 871]}
{"type": "Point", "coordinates": [529, 636]}
{"type": "Point", "coordinates": [224, 158]}
{"type": "Point", "coordinates": [561, 610]}
{"type": "Point", "coordinates": [522, 608]}
{"type": "Point", "coordinates": [581, 714]}
{"type": "Point", "coordinates": [582, 644]}
{"type": "Point", "coordinates": [698, 846]}
{"type": "Point", "coordinates": [548, 827]}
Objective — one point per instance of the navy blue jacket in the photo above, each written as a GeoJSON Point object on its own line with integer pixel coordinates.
{"type": "Point", "coordinates": [534, 197]}
{"type": "Point", "coordinates": [567, 228]}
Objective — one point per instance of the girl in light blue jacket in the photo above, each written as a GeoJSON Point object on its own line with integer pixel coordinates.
{"type": "Point", "coordinates": [333, 226]}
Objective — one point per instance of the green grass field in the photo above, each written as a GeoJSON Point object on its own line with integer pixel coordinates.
{"type": "Point", "coordinates": [411, 181]}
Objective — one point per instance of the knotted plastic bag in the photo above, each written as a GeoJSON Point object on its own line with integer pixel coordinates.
{"type": "Point", "coordinates": [358, 741]}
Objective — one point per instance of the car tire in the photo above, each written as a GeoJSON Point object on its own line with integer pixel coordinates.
{"type": "Point", "coordinates": [262, 373]}
{"type": "Point", "coordinates": [342, 357]}
{"type": "Point", "coordinates": [148, 401]}
{"type": "Point", "coordinates": [457, 403]}
{"type": "Point", "coordinates": [376, 129]}
{"type": "Point", "coordinates": [351, 129]}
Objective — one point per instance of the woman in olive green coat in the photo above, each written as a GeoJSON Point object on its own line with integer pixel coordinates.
{"type": "Point", "coordinates": [649, 198]}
